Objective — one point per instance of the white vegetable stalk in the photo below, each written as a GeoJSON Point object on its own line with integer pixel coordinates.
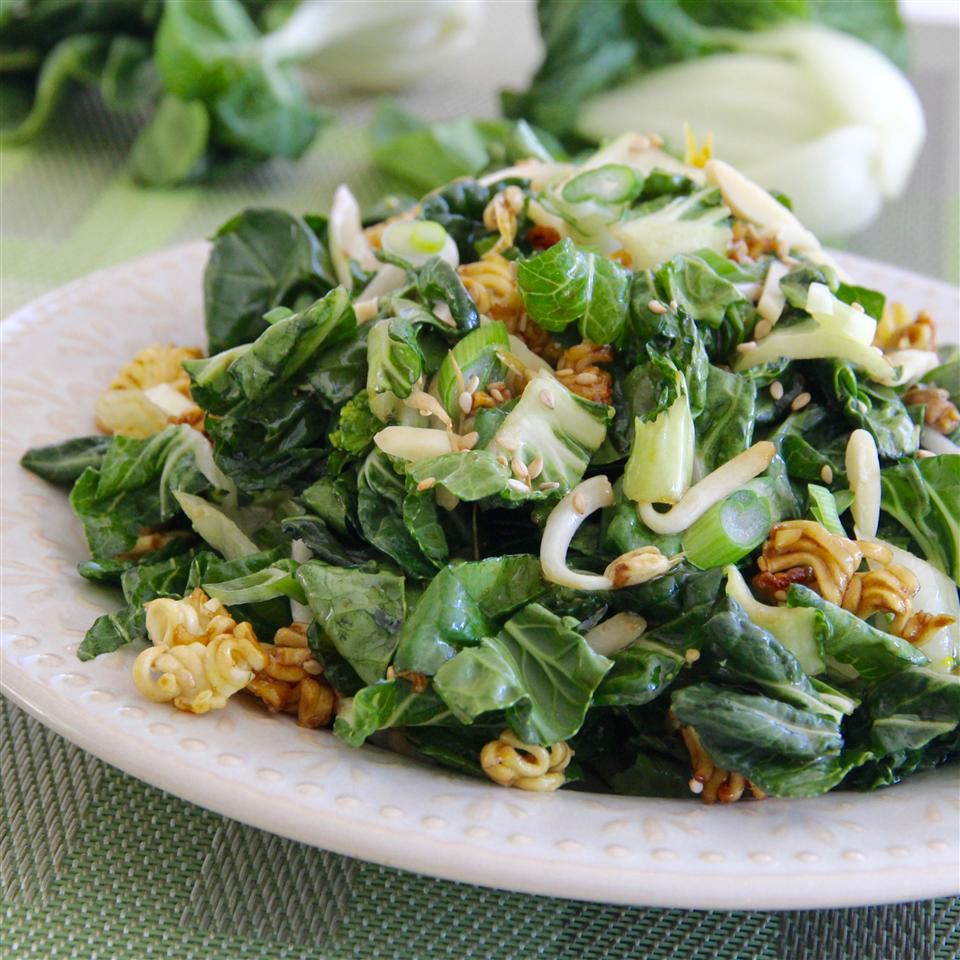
{"type": "Point", "coordinates": [299, 612]}
{"type": "Point", "coordinates": [215, 527]}
{"type": "Point", "coordinates": [563, 523]}
{"type": "Point", "coordinates": [823, 306]}
{"type": "Point", "coordinates": [937, 443]}
{"type": "Point", "coordinates": [616, 633]}
{"type": "Point", "coordinates": [751, 202]}
{"type": "Point", "coordinates": [172, 403]}
{"type": "Point", "coordinates": [938, 594]}
{"type": "Point", "coordinates": [414, 443]}
{"type": "Point", "coordinates": [913, 365]}
{"type": "Point", "coordinates": [710, 490]}
{"type": "Point", "coordinates": [346, 238]}
{"type": "Point", "coordinates": [862, 464]}
{"type": "Point", "coordinates": [772, 299]}
{"type": "Point", "coordinates": [375, 45]}
{"type": "Point", "coordinates": [813, 111]}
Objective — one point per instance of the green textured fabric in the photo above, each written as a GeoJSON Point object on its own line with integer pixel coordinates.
{"type": "Point", "coordinates": [94, 864]}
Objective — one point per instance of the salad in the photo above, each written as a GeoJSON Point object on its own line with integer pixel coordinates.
{"type": "Point", "coordinates": [600, 474]}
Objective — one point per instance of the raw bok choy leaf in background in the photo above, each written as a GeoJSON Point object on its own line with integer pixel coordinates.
{"type": "Point", "coordinates": [222, 78]}
{"type": "Point", "coordinates": [826, 66]}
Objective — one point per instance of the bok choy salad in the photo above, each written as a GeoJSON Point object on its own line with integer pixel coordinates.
{"type": "Point", "coordinates": [602, 474]}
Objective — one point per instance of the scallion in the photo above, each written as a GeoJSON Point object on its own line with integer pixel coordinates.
{"type": "Point", "coordinates": [611, 183]}
{"type": "Point", "coordinates": [728, 531]}
{"type": "Point", "coordinates": [419, 240]}
{"type": "Point", "coordinates": [823, 506]}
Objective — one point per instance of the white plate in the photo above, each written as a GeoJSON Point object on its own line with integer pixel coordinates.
{"type": "Point", "coordinates": [838, 850]}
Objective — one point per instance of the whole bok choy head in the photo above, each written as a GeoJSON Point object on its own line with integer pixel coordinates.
{"type": "Point", "coordinates": [800, 95]}
{"type": "Point", "coordinates": [220, 77]}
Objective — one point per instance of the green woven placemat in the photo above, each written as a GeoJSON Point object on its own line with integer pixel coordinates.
{"type": "Point", "coordinates": [94, 864]}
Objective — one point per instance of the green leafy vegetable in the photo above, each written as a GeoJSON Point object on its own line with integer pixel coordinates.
{"type": "Point", "coordinates": [469, 475]}
{"type": "Point", "coordinates": [783, 750]}
{"type": "Point", "coordinates": [924, 496]}
{"type": "Point", "coordinates": [538, 668]}
{"type": "Point", "coordinates": [361, 613]}
{"type": "Point", "coordinates": [873, 653]}
{"type": "Point", "coordinates": [386, 704]}
{"type": "Point", "coordinates": [140, 584]}
{"type": "Point", "coordinates": [64, 462]}
{"type": "Point", "coordinates": [563, 285]}
{"type": "Point", "coordinates": [261, 259]}
{"type": "Point", "coordinates": [555, 426]}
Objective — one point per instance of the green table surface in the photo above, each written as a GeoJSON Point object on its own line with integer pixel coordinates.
{"type": "Point", "coordinates": [95, 864]}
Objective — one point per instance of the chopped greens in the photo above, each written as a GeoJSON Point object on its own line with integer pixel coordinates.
{"type": "Point", "coordinates": [544, 476]}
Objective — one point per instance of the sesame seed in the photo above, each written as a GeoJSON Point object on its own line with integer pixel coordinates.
{"type": "Point", "coordinates": [550, 485]}
{"type": "Point", "coordinates": [466, 402]}
{"type": "Point", "coordinates": [826, 473]}
{"type": "Point", "coordinates": [692, 655]}
{"type": "Point", "coordinates": [586, 378]}
{"type": "Point", "coordinates": [497, 395]}
{"type": "Point", "coordinates": [565, 372]}
{"type": "Point", "coordinates": [776, 390]}
{"type": "Point", "coordinates": [426, 483]}
{"type": "Point", "coordinates": [762, 329]}
{"type": "Point", "coordinates": [522, 323]}
{"type": "Point", "coordinates": [519, 467]}
{"type": "Point", "coordinates": [674, 306]}
{"type": "Point", "coordinates": [579, 504]}
{"type": "Point", "coordinates": [424, 413]}
{"type": "Point", "coordinates": [747, 347]}
{"type": "Point", "coordinates": [312, 666]}
{"type": "Point", "coordinates": [497, 385]}
{"type": "Point", "coordinates": [518, 486]}
{"type": "Point", "coordinates": [857, 306]}
{"type": "Point", "coordinates": [502, 460]}
{"type": "Point", "coordinates": [546, 398]}
{"type": "Point", "coordinates": [800, 401]}
{"type": "Point", "coordinates": [924, 454]}
{"type": "Point", "coordinates": [695, 786]}
{"type": "Point", "coordinates": [656, 139]}
{"type": "Point", "coordinates": [655, 306]}
{"type": "Point", "coordinates": [469, 441]}
{"type": "Point", "coordinates": [509, 443]}
{"type": "Point", "coordinates": [535, 467]}
{"type": "Point", "coordinates": [472, 384]}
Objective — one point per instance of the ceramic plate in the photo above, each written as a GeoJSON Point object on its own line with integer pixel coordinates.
{"type": "Point", "coordinates": [838, 850]}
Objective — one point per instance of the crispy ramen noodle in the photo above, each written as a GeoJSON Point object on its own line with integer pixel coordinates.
{"type": "Point", "coordinates": [201, 657]}
{"type": "Point", "coordinates": [827, 561]}
{"type": "Point", "coordinates": [940, 413]}
{"type": "Point", "coordinates": [501, 214]}
{"type": "Point", "coordinates": [512, 763]}
{"type": "Point", "coordinates": [899, 330]}
{"type": "Point", "coordinates": [492, 285]}
{"type": "Point", "coordinates": [714, 784]}
{"type": "Point", "coordinates": [803, 551]}
{"type": "Point", "coordinates": [578, 370]}
{"type": "Point", "coordinates": [149, 393]}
